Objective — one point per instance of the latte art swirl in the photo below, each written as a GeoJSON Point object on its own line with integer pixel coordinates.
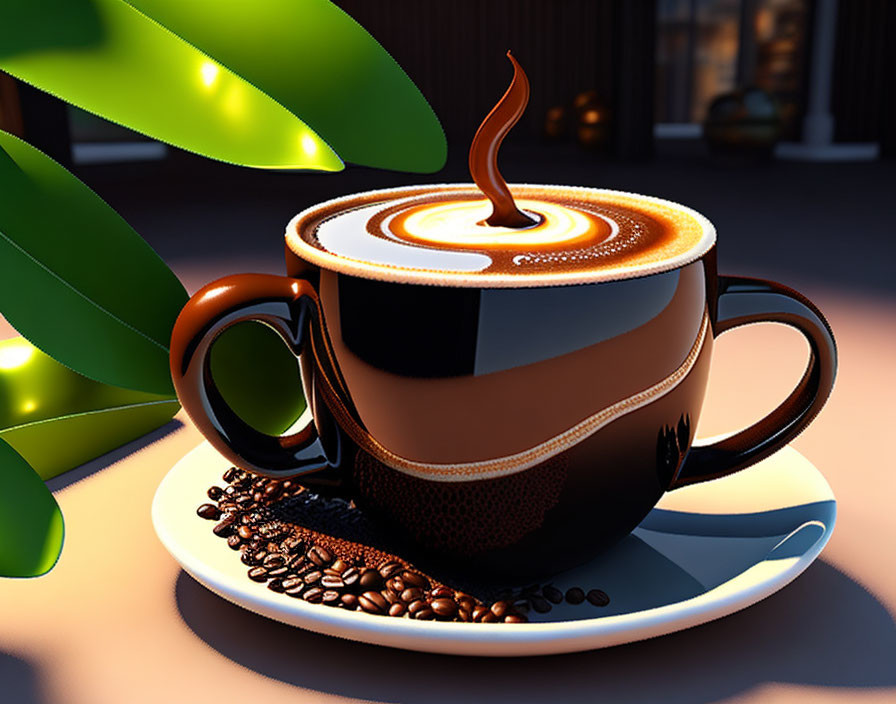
{"type": "Point", "coordinates": [437, 234]}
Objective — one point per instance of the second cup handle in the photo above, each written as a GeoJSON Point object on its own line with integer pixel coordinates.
{"type": "Point", "coordinates": [742, 301]}
{"type": "Point", "coordinates": [289, 307]}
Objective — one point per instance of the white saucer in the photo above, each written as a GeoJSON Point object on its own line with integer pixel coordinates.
{"type": "Point", "coordinates": [706, 551]}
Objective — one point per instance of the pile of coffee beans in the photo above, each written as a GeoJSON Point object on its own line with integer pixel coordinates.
{"type": "Point", "coordinates": [320, 568]}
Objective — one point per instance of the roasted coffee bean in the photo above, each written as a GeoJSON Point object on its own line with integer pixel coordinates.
{"type": "Point", "coordinates": [552, 594]}
{"type": "Point", "coordinates": [425, 615]}
{"type": "Point", "coordinates": [234, 541]}
{"type": "Point", "coordinates": [313, 595]}
{"type": "Point", "coordinates": [575, 595]}
{"type": "Point", "coordinates": [338, 566]}
{"type": "Point", "coordinates": [248, 558]}
{"type": "Point", "coordinates": [279, 572]}
{"type": "Point", "coordinates": [390, 596]}
{"type": "Point", "coordinates": [396, 584]}
{"type": "Point", "coordinates": [330, 596]}
{"type": "Point", "coordinates": [597, 597]}
{"type": "Point", "coordinates": [397, 609]}
{"type": "Point", "coordinates": [444, 608]}
{"type": "Point", "coordinates": [331, 581]}
{"type": "Point", "coordinates": [276, 585]}
{"type": "Point", "coordinates": [370, 579]}
{"type": "Point", "coordinates": [522, 607]}
{"type": "Point", "coordinates": [231, 474]}
{"type": "Point", "coordinates": [479, 612]}
{"type": "Point", "coordinates": [349, 601]}
{"type": "Point", "coordinates": [499, 608]}
{"type": "Point", "coordinates": [373, 603]}
{"type": "Point", "coordinates": [295, 591]}
{"type": "Point", "coordinates": [465, 616]}
{"type": "Point", "coordinates": [257, 497]}
{"type": "Point", "coordinates": [390, 569]}
{"type": "Point", "coordinates": [223, 529]}
{"type": "Point", "coordinates": [293, 582]}
{"type": "Point", "coordinates": [230, 491]}
{"type": "Point", "coordinates": [272, 560]}
{"type": "Point", "coordinates": [540, 604]}
{"type": "Point", "coordinates": [295, 562]}
{"type": "Point", "coordinates": [515, 618]}
{"type": "Point", "coordinates": [214, 493]}
{"type": "Point", "coordinates": [411, 594]}
{"type": "Point", "coordinates": [209, 512]}
{"type": "Point", "coordinates": [489, 617]}
{"type": "Point", "coordinates": [351, 576]}
{"type": "Point", "coordinates": [272, 491]}
{"type": "Point", "coordinates": [320, 556]}
{"type": "Point", "coordinates": [442, 593]}
{"type": "Point", "coordinates": [258, 574]}
{"type": "Point", "coordinates": [294, 545]}
{"type": "Point", "coordinates": [312, 577]}
{"type": "Point", "coordinates": [243, 500]}
{"type": "Point", "coordinates": [465, 602]}
{"type": "Point", "coordinates": [415, 606]}
{"type": "Point", "coordinates": [414, 579]}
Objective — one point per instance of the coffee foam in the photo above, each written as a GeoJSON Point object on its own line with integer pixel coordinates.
{"type": "Point", "coordinates": [434, 235]}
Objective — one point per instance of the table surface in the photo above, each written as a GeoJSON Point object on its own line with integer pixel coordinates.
{"type": "Point", "coordinates": [118, 621]}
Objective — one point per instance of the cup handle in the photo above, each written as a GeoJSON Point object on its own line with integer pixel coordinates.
{"type": "Point", "coordinates": [286, 305]}
{"type": "Point", "coordinates": [742, 301]}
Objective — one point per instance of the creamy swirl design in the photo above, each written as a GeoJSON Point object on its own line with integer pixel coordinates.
{"type": "Point", "coordinates": [579, 235]}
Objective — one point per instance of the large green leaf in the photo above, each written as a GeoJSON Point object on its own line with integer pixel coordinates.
{"type": "Point", "coordinates": [31, 527]}
{"type": "Point", "coordinates": [323, 66]}
{"type": "Point", "coordinates": [77, 281]}
{"type": "Point", "coordinates": [57, 419]}
{"type": "Point", "coordinates": [108, 58]}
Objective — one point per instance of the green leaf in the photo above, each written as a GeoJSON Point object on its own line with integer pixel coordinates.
{"type": "Point", "coordinates": [57, 419]}
{"type": "Point", "coordinates": [77, 281]}
{"type": "Point", "coordinates": [31, 526]}
{"type": "Point", "coordinates": [258, 377]}
{"type": "Point", "coordinates": [106, 57]}
{"type": "Point", "coordinates": [323, 66]}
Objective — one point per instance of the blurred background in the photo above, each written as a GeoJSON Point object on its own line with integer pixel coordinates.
{"type": "Point", "coordinates": [776, 118]}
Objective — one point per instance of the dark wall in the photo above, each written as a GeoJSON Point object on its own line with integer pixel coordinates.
{"type": "Point", "coordinates": [864, 77]}
{"type": "Point", "coordinates": [455, 53]}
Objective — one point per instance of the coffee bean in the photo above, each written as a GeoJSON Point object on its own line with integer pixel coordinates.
{"type": "Point", "coordinates": [465, 616]}
{"type": "Point", "coordinates": [209, 512]}
{"type": "Point", "coordinates": [349, 601]}
{"type": "Point", "coordinates": [234, 542]}
{"type": "Point", "coordinates": [575, 595]}
{"type": "Point", "coordinates": [214, 493]}
{"type": "Point", "coordinates": [373, 603]}
{"type": "Point", "coordinates": [272, 491]}
{"type": "Point", "coordinates": [522, 607]}
{"type": "Point", "coordinates": [223, 529]}
{"type": "Point", "coordinates": [479, 612]}
{"type": "Point", "coordinates": [540, 604]}
{"type": "Point", "coordinates": [276, 585]}
{"type": "Point", "coordinates": [499, 608]}
{"type": "Point", "coordinates": [331, 581]}
{"type": "Point", "coordinates": [414, 579]}
{"type": "Point", "coordinates": [466, 603]}
{"type": "Point", "coordinates": [598, 597]}
{"type": "Point", "coordinates": [274, 560]}
{"type": "Point", "coordinates": [320, 556]}
{"type": "Point", "coordinates": [338, 566]}
{"type": "Point", "coordinates": [552, 594]}
{"type": "Point", "coordinates": [312, 577]}
{"type": "Point", "coordinates": [257, 497]}
{"type": "Point", "coordinates": [489, 617]}
{"type": "Point", "coordinates": [351, 576]}
{"type": "Point", "coordinates": [416, 606]}
{"type": "Point", "coordinates": [411, 594]}
{"type": "Point", "coordinates": [248, 558]}
{"type": "Point", "coordinates": [396, 584]}
{"type": "Point", "coordinates": [389, 569]}
{"type": "Point", "coordinates": [293, 582]}
{"type": "Point", "coordinates": [243, 500]}
{"type": "Point", "coordinates": [425, 615]}
{"type": "Point", "coordinates": [295, 591]}
{"type": "Point", "coordinates": [442, 593]}
{"type": "Point", "coordinates": [444, 608]}
{"type": "Point", "coordinates": [279, 571]}
{"type": "Point", "coordinates": [258, 574]}
{"type": "Point", "coordinates": [370, 579]}
{"type": "Point", "coordinates": [397, 609]}
{"type": "Point", "coordinates": [230, 474]}
{"type": "Point", "coordinates": [515, 618]}
{"type": "Point", "coordinates": [293, 545]}
{"type": "Point", "coordinates": [314, 595]}
{"type": "Point", "coordinates": [330, 596]}
{"type": "Point", "coordinates": [245, 532]}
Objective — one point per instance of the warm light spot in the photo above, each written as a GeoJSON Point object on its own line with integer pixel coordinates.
{"type": "Point", "coordinates": [591, 117]}
{"type": "Point", "coordinates": [15, 355]}
{"type": "Point", "coordinates": [209, 73]}
{"type": "Point", "coordinates": [460, 223]}
{"type": "Point", "coordinates": [233, 101]}
{"type": "Point", "coordinates": [309, 145]}
{"type": "Point", "coordinates": [28, 406]}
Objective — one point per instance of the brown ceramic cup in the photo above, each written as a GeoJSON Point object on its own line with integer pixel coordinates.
{"type": "Point", "coordinates": [520, 428]}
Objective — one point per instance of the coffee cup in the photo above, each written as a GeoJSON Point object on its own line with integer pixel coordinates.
{"type": "Point", "coordinates": [517, 399]}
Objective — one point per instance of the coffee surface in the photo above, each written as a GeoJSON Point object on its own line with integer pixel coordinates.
{"type": "Point", "coordinates": [579, 235]}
